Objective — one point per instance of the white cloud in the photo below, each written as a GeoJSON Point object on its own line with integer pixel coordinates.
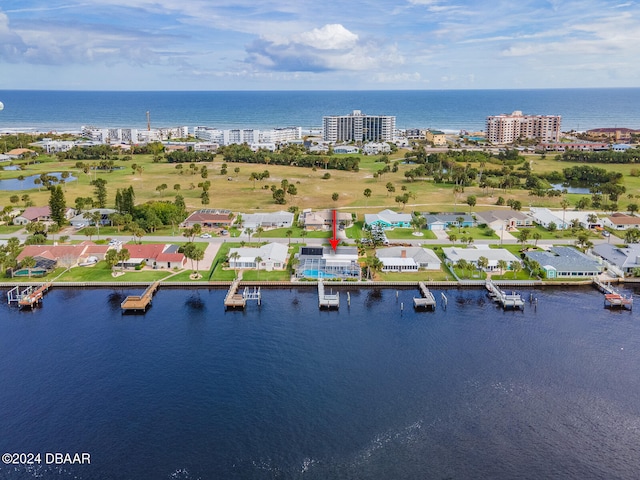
{"type": "Point", "coordinates": [331, 47]}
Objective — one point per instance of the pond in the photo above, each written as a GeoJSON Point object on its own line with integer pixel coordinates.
{"type": "Point", "coordinates": [569, 189]}
{"type": "Point", "coordinates": [28, 183]}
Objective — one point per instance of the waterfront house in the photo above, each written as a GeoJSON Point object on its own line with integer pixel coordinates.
{"type": "Point", "coordinates": [621, 221]}
{"type": "Point", "coordinates": [323, 219]}
{"type": "Point", "coordinates": [279, 219]}
{"type": "Point", "coordinates": [565, 262]}
{"type": "Point", "coordinates": [155, 255]}
{"type": "Point", "coordinates": [324, 262]}
{"type": "Point", "coordinates": [472, 255]}
{"type": "Point", "coordinates": [620, 260]}
{"type": "Point", "coordinates": [444, 221]}
{"type": "Point", "coordinates": [387, 220]}
{"type": "Point", "coordinates": [48, 257]}
{"type": "Point", "coordinates": [408, 259]}
{"type": "Point", "coordinates": [209, 218]}
{"type": "Point", "coordinates": [273, 255]}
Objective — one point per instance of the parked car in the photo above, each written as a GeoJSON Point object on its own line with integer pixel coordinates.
{"type": "Point", "coordinates": [205, 235]}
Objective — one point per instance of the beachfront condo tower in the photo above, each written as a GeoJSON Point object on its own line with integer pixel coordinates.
{"type": "Point", "coordinates": [503, 129]}
{"type": "Point", "coordinates": [358, 127]}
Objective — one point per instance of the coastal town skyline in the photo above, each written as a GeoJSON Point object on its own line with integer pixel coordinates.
{"type": "Point", "coordinates": [413, 44]}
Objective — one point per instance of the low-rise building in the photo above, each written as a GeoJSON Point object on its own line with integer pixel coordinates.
{"type": "Point", "coordinates": [621, 260]}
{"type": "Point", "coordinates": [84, 219]}
{"type": "Point", "coordinates": [504, 218]}
{"type": "Point", "coordinates": [473, 254]}
{"type": "Point", "coordinates": [621, 221]}
{"type": "Point", "coordinates": [324, 262]}
{"type": "Point", "coordinates": [437, 138]}
{"type": "Point", "coordinates": [39, 214]}
{"type": "Point", "coordinates": [443, 221]}
{"type": "Point", "coordinates": [323, 219]}
{"type": "Point", "coordinates": [155, 255]}
{"type": "Point", "coordinates": [565, 262]}
{"type": "Point", "coordinates": [273, 256]}
{"type": "Point", "coordinates": [408, 259]}
{"type": "Point", "coordinates": [279, 219]}
{"type": "Point", "coordinates": [387, 219]}
{"type": "Point", "coordinates": [209, 218]}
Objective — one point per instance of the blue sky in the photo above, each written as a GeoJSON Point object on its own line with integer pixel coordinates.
{"type": "Point", "coordinates": [304, 45]}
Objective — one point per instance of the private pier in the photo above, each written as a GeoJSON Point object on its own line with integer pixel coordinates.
{"type": "Point", "coordinates": [327, 300]}
{"type": "Point", "coordinates": [427, 301]}
{"type": "Point", "coordinates": [507, 300]}
{"type": "Point", "coordinates": [613, 298]}
{"type": "Point", "coordinates": [233, 298]}
{"type": "Point", "coordinates": [239, 300]}
{"type": "Point", "coordinates": [29, 296]}
{"type": "Point", "coordinates": [139, 303]}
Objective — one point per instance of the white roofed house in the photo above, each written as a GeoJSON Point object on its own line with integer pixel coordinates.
{"type": "Point", "coordinates": [279, 219]}
{"type": "Point", "coordinates": [273, 255]}
{"type": "Point", "coordinates": [324, 262]}
{"type": "Point", "coordinates": [408, 259]}
{"type": "Point", "coordinates": [472, 254]}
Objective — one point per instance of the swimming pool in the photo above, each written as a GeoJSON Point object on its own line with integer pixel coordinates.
{"type": "Point", "coordinates": [317, 274]}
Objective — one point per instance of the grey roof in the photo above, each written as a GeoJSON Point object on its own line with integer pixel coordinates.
{"type": "Point", "coordinates": [565, 259]}
{"type": "Point", "coordinates": [623, 257]}
{"type": "Point", "coordinates": [448, 217]}
{"type": "Point", "coordinates": [493, 215]}
{"type": "Point", "coordinates": [419, 254]}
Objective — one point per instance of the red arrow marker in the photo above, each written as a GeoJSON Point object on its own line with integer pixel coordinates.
{"type": "Point", "coordinates": [334, 241]}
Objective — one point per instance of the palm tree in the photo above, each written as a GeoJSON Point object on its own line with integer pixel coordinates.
{"type": "Point", "coordinates": [28, 263]}
{"type": "Point", "coordinates": [516, 266]}
{"type": "Point", "coordinates": [564, 204]}
{"type": "Point", "coordinates": [248, 231]}
{"type": "Point", "coordinates": [289, 233]}
{"type": "Point", "coordinates": [502, 265]}
{"type": "Point", "coordinates": [536, 236]}
{"type": "Point", "coordinates": [258, 260]}
{"type": "Point", "coordinates": [235, 256]}
{"type": "Point", "coordinates": [259, 232]}
{"type": "Point", "coordinates": [459, 220]}
{"type": "Point", "coordinates": [483, 262]}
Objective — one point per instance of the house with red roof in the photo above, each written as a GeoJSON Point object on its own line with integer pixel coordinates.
{"type": "Point", "coordinates": [155, 255]}
{"type": "Point", "coordinates": [39, 214]}
{"type": "Point", "coordinates": [621, 221]}
{"type": "Point", "coordinates": [209, 218]}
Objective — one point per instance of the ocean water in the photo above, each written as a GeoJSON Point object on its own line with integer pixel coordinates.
{"type": "Point", "coordinates": [284, 390]}
{"type": "Point", "coordinates": [581, 109]}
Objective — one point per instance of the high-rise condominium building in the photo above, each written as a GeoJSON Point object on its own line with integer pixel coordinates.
{"type": "Point", "coordinates": [509, 128]}
{"type": "Point", "coordinates": [358, 127]}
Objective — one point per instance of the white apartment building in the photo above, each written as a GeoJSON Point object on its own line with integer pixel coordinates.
{"type": "Point", "coordinates": [133, 135]}
{"type": "Point", "coordinates": [502, 129]}
{"type": "Point", "coordinates": [248, 135]}
{"type": "Point", "coordinates": [358, 127]}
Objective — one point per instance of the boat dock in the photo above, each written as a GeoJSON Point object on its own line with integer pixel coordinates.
{"type": "Point", "coordinates": [507, 300]}
{"type": "Point", "coordinates": [30, 296]}
{"type": "Point", "coordinates": [327, 300]}
{"type": "Point", "coordinates": [233, 298]}
{"type": "Point", "coordinates": [427, 301]}
{"type": "Point", "coordinates": [613, 298]}
{"type": "Point", "coordinates": [239, 300]}
{"type": "Point", "coordinates": [139, 303]}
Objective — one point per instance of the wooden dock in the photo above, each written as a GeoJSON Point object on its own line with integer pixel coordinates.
{"type": "Point", "coordinates": [507, 300]}
{"type": "Point", "coordinates": [139, 303]}
{"type": "Point", "coordinates": [427, 301]}
{"type": "Point", "coordinates": [28, 297]}
{"type": "Point", "coordinates": [613, 298]}
{"type": "Point", "coordinates": [327, 300]}
{"type": "Point", "coordinates": [233, 298]}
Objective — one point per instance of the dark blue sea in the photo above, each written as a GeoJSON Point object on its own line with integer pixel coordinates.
{"type": "Point", "coordinates": [286, 391]}
{"type": "Point", "coordinates": [453, 110]}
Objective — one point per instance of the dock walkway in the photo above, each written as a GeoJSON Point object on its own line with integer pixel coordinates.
{"type": "Point", "coordinates": [507, 300]}
{"type": "Point", "coordinates": [233, 298]}
{"type": "Point", "coordinates": [139, 303]}
{"type": "Point", "coordinates": [427, 301]}
{"type": "Point", "coordinates": [327, 300]}
{"type": "Point", "coordinates": [29, 296]}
